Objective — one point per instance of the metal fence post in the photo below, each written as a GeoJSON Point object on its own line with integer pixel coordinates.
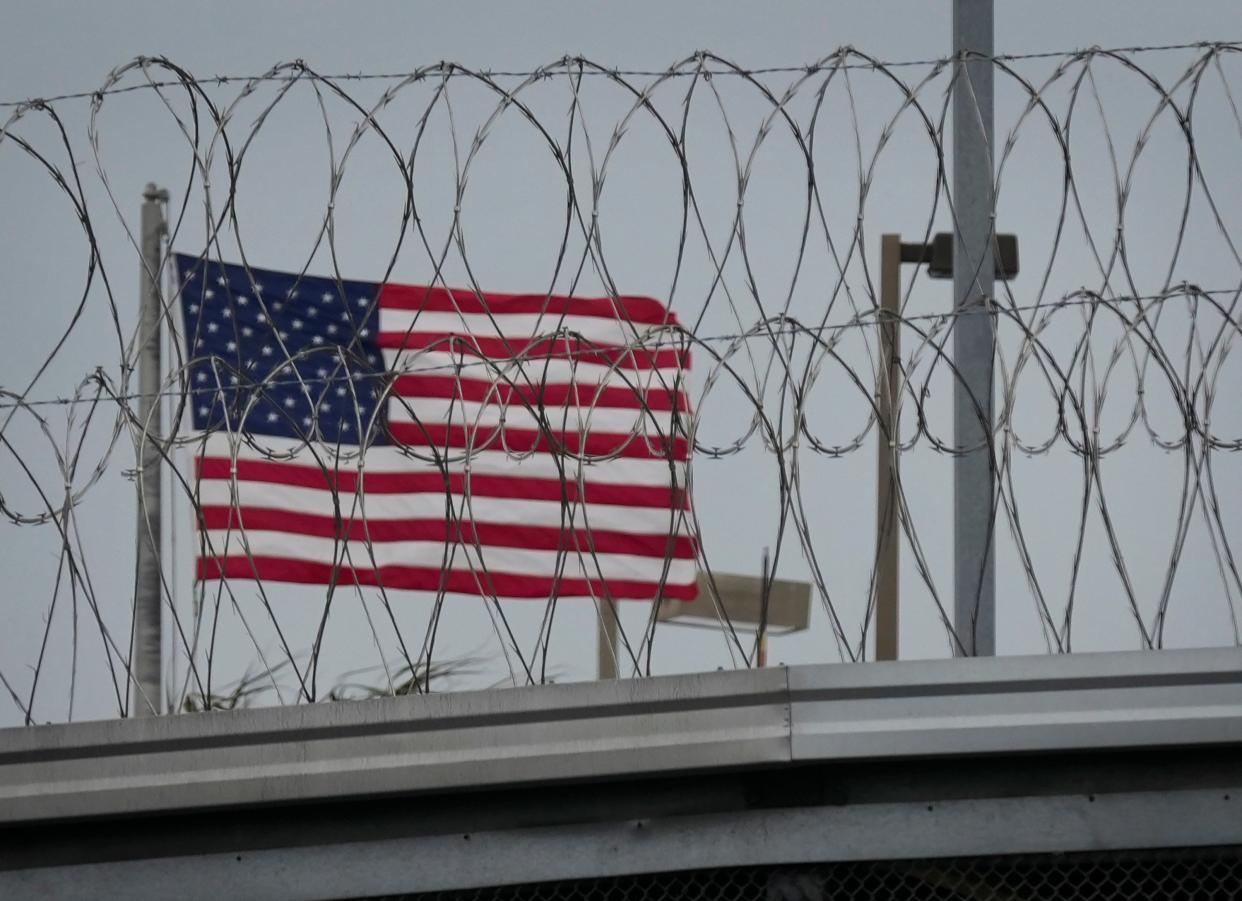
{"type": "Point", "coordinates": [147, 661]}
{"type": "Point", "coordinates": [886, 397]}
{"type": "Point", "coordinates": [974, 474]}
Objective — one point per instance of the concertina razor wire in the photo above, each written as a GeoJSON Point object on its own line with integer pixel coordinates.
{"type": "Point", "coordinates": [1132, 357]}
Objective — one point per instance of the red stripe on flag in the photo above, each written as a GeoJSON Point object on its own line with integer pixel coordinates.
{"type": "Point", "coordinates": [554, 348]}
{"type": "Point", "coordinates": [422, 578]}
{"type": "Point", "coordinates": [539, 538]}
{"type": "Point", "coordinates": [655, 398]}
{"type": "Point", "coordinates": [644, 310]}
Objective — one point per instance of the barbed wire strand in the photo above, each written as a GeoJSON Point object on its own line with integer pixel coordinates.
{"type": "Point", "coordinates": [1070, 349]}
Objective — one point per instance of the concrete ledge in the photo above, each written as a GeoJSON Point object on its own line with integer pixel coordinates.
{"type": "Point", "coordinates": [1017, 705]}
{"type": "Point", "coordinates": [662, 726]}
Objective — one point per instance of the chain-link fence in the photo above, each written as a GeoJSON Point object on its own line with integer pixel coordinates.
{"type": "Point", "coordinates": [1159, 875]}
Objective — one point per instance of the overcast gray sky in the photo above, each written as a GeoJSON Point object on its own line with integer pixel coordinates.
{"type": "Point", "coordinates": [513, 214]}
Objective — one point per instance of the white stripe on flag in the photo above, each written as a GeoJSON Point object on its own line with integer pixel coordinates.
{"type": "Point", "coordinates": [524, 326]}
{"type": "Point", "coordinates": [374, 507]}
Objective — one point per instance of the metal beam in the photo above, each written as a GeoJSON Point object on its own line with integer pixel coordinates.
{"type": "Point", "coordinates": [974, 475]}
{"type": "Point", "coordinates": [663, 726]}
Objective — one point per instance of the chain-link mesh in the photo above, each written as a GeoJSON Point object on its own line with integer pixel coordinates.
{"type": "Point", "coordinates": [1175, 875]}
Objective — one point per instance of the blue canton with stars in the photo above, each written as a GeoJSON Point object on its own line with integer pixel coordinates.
{"type": "Point", "coordinates": [296, 356]}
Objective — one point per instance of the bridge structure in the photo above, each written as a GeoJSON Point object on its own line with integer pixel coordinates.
{"type": "Point", "coordinates": [1018, 777]}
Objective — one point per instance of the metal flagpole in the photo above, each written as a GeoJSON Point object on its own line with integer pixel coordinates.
{"type": "Point", "coordinates": [148, 634]}
{"type": "Point", "coordinates": [974, 477]}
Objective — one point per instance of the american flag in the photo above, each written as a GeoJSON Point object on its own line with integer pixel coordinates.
{"type": "Point", "coordinates": [436, 439]}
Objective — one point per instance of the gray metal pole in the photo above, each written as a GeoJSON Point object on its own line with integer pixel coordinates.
{"type": "Point", "coordinates": [765, 600]}
{"type": "Point", "coordinates": [147, 696]}
{"type": "Point", "coordinates": [608, 625]}
{"type": "Point", "coordinates": [887, 548]}
{"type": "Point", "coordinates": [974, 475]}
